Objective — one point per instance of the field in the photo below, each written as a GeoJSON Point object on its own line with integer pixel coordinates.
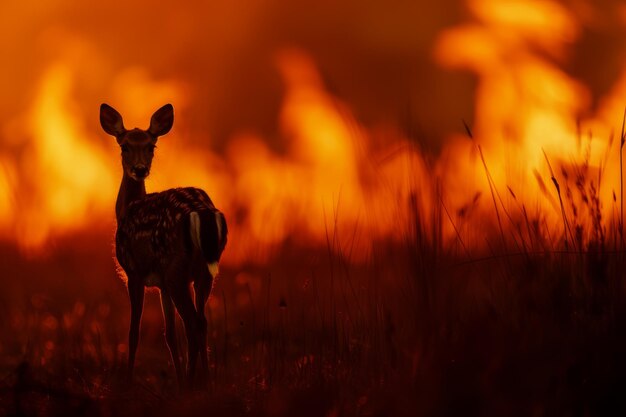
{"type": "Point", "coordinates": [419, 328]}
{"type": "Point", "coordinates": [425, 205]}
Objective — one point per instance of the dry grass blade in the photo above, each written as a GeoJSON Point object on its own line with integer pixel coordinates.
{"type": "Point", "coordinates": [468, 130]}
{"type": "Point", "coordinates": [566, 226]}
{"type": "Point", "coordinates": [456, 230]}
{"type": "Point", "coordinates": [621, 182]}
{"type": "Point", "coordinates": [493, 196]}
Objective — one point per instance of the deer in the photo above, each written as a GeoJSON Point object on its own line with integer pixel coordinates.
{"type": "Point", "coordinates": [168, 240]}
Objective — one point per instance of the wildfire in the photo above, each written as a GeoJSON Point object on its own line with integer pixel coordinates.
{"type": "Point", "coordinates": [70, 179]}
{"type": "Point", "coordinates": [334, 180]}
{"type": "Point", "coordinates": [327, 185]}
{"type": "Point", "coordinates": [528, 110]}
{"type": "Point", "coordinates": [6, 201]}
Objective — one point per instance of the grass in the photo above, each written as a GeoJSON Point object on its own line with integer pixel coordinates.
{"type": "Point", "coordinates": [533, 326]}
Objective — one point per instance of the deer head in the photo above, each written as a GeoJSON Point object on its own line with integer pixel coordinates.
{"type": "Point", "coordinates": [137, 145]}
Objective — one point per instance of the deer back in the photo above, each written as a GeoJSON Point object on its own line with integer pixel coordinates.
{"type": "Point", "coordinates": [155, 229]}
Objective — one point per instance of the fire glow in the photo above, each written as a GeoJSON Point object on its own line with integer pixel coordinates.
{"type": "Point", "coordinates": [334, 175]}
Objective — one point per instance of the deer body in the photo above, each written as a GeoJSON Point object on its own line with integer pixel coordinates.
{"type": "Point", "coordinates": [160, 228]}
{"type": "Point", "coordinates": [166, 240]}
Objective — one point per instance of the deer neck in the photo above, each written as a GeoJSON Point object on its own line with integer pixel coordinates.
{"type": "Point", "coordinates": [130, 190]}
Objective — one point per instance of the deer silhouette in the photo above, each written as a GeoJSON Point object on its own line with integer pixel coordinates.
{"type": "Point", "coordinates": [167, 240]}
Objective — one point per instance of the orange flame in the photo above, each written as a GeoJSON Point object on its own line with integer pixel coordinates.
{"type": "Point", "coordinates": [328, 185]}
{"type": "Point", "coordinates": [527, 108]}
{"type": "Point", "coordinates": [333, 180]}
{"type": "Point", "coordinates": [321, 185]}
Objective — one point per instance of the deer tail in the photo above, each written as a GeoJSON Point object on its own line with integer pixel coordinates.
{"type": "Point", "coordinates": [209, 234]}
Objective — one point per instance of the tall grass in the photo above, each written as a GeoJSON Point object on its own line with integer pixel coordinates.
{"type": "Point", "coordinates": [424, 327]}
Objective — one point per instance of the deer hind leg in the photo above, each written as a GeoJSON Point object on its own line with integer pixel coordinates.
{"type": "Point", "coordinates": [135, 293]}
{"type": "Point", "coordinates": [202, 287]}
{"type": "Point", "coordinates": [184, 304]}
{"type": "Point", "coordinates": [169, 316]}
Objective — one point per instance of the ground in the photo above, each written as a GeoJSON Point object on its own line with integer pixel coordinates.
{"type": "Point", "coordinates": [410, 331]}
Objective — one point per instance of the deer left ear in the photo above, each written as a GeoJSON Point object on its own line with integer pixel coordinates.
{"type": "Point", "coordinates": [162, 121]}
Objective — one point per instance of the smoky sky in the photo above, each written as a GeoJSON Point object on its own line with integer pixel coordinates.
{"type": "Point", "coordinates": [375, 56]}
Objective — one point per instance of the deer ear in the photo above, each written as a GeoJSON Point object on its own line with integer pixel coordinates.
{"type": "Point", "coordinates": [111, 121]}
{"type": "Point", "coordinates": [162, 121]}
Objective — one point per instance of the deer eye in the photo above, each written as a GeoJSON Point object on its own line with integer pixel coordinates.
{"type": "Point", "coordinates": [151, 148]}
{"type": "Point", "coordinates": [125, 148]}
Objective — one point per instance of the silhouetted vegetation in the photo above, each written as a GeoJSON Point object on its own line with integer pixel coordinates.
{"type": "Point", "coordinates": [532, 326]}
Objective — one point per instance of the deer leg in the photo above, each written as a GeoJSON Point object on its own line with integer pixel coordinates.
{"type": "Point", "coordinates": [169, 316]}
{"type": "Point", "coordinates": [202, 288]}
{"type": "Point", "coordinates": [184, 304]}
{"type": "Point", "coordinates": [135, 293]}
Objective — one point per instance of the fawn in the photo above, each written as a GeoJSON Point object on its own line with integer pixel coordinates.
{"type": "Point", "coordinates": [166, 240]}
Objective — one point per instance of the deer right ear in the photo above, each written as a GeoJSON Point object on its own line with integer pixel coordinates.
{"type": "Point", "coordinates": [111, 121]}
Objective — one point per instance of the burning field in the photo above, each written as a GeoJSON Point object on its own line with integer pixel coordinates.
{"type": "Point", "coordinates": [425, 205]}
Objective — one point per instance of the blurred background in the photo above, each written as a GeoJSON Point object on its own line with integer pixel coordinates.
{"type": "Point", "coordinates": [302, 119]}
{"type": "Point", "coordinates": [355, 99]}
{"type": "Point", "coordinates": [327, 132]}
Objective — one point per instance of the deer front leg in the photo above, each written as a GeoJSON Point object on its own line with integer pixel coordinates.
{"type": "Point", "coordinates": [135, 293]}
{"type": "Point", "coordinates": [169, 317]}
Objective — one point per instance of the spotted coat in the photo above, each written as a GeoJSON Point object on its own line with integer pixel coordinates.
{"type": "Point", "coordinates": [156, 226]}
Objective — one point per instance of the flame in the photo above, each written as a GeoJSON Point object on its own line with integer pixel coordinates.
{"type": "Point", "coordinates": [326, 179]}
{"type": "Point", "coordinates": [6, 200]}
{"type": "Point", "coordinates": [70, 178]}
{"type": "Point", "coordinates": [527, 109]}
{"type": "Point", "coordinates": [317, 190]}
{"type": "Point", "coordinates": [66, 180]}
{"type": "Point", "coordinates": [328, 185]}
{"type": "Point", "coordinates": [62, 181]}
{"type": "Point", "coordinates": [522, 99]}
